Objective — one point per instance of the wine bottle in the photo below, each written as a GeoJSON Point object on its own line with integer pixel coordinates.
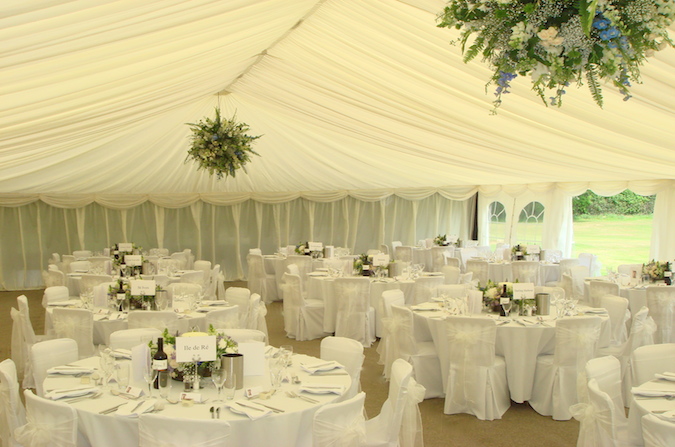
{"type": "Point", "coordinates": [668, 275]}
{"type": "Point", "coordinates": [121, 295]}
{"type": "Point", "coordinates": [160, 363]}
{"type": "Point", "coordinates": [519, 253]}
{"type": "Point", "coordinates": [502, 313]}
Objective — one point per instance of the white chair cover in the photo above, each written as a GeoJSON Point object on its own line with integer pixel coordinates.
{"type": "Point", "coordinates": [79, 266]}
{"type": "Point", "coordinates": [451, 274]}
{"type": "Point", "coordinates": [204, 266]}
{"type": "Point", "coordinates": [591, 261]}
{"type": "Point", "coordinates": [383, 430]}
{"type": "Point", "coordinates": [182, 258]}
{"type": "Point", "coordinates": [598, 289]}
{"type": "Point", "coordinates": [49, 353]}
{"type": "Point", "coordinates": [48, 423]}
{"type": "Point", "coordinates": [403, 253]}
{"type": "Point", "coordinates": [438, 256]}
{"type": "Point", "coordinates": [560, 379]}
{"type": "Point", "coordinates": [259, 281]}
{"type": "Point", "coordinates": [55, 293]}
{"type": "Point", "coordinates": [53, 278]}
{"type": "Point", "coordinates": [607, 373]}
{"type": "Point", "coordinates": [617, 308]}
{"type": "Point", "coordinates": [128, 338]}
{"type": "Point", "coordinates": [578, 274]}
{"type": "Point", "coordinates": [256, 314]}
{"type": "Point", "coordinates": [526, 271]}
{"type": "Point", "coordinates": [227, 318]}
{"type": "Point", "coordinates": [161, 319]}
{"type": "Point", "coordinates": [239, 296]}
{"type": "Point", "coordinates": [304, 264]}
{"type": "Point", "coordinates": [476, 381]}
{"type": "Point", "coordinates": [155, 430]}
{"type": "Point", "coordinates": [652, 359]}
{"type": "Point", "coordinates": [159, 252]}
{"type": "Point", "coordinates": [348, 353]}
{"type": "Point", "coordinates": [167, 266]}
{"type": "Point", "coordinates": [426, 288]}
{"type": "Point", "coordinates": [411, 434]}
{"type": "Point", "coordinates": [66, 260]}
{"type": "Point", "coordinates": [479, 269]}
{"type": "Point", "coordinates": [12, 412]}
{"type": "Point", "coordinates": [303, 319]}
{"type": "Point", "coordinates": [388, 348]}
{"type": "Point", "coordinates": [656, 432]}
{"type": "Point", "coordinates": [601, 424]}
{"type": "Point", "coordinates": [196, 277]}
{"type": "Point", "coordinates": [183, 295]}
{"type": "Point", "coordinates": [100, 264]}
{"type": "Point", "coordinates": [454, 290]}
{"type": "Point", "coordinates": [77, 324]}
{"type": "Point", "coordinates": [661, 304]}
{"type": "Point", "coordinates": [23, 337]}
{"type": "Point", "coordinates": [244, 335]}
{"type": "Point", "coordinates": [80, 254]}
{"type": "Point", "coordinates": [355, 317]}
{"type": "Point", "coordinates": [341, 424]}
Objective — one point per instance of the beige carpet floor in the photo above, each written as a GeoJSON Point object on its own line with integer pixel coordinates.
{"type": "Point", "coordinates": [520, 426]}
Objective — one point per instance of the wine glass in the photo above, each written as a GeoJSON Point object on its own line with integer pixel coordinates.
{"type": "Point", "coordinates": [218, 377]}
{"type": "Point", "coordinates": [149, 375]}
{"type": "Point", "coordinates": [560, 306]}
{"type": "Point", "coordinates": [286, 351]}
{"type": "Point", "coordinates": [507, 307]}
{"type": "Point", "coordinates": [122, 375]}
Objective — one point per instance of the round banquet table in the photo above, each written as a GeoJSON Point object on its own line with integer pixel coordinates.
{"type": "Point", "coordinates": [640, 406]}
{"type": "Point", "coordinates": [520, 345]}
{"type": "Point", "coordinates": [293, 427]}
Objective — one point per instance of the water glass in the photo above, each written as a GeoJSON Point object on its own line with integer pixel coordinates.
{"type": "Point", "coordinates": [276, 372]}
{"type": "Point", "coordinates": [122, 375]}
{"type": "Point", "coordinates": [164, 381]}
{"type": "Point", "coordinates": [286, 352]}
{"type": "Point", "coordinates": [229, 385]}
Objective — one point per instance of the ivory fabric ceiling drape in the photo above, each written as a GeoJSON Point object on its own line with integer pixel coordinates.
{"type": "Point", "coordinates": [360, 100]}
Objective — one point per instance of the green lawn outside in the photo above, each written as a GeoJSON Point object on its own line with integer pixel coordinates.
{"type": "Point", "coordinates": [615, 239]}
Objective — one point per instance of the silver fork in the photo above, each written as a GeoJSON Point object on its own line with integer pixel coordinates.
{"type": "Point", "coordinates": [305, 398]}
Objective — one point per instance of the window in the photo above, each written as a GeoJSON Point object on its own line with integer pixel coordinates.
{"type": "Point", "coordinates": [497, 215]}
{"type": "Point", "coordinates": [530, 224]}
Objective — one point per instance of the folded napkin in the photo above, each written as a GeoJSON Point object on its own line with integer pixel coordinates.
{"type": "Point", "coordinates": [71, 392]}
{"type": "Point", "coordinates": [64, 303]}
{"type": "Point", "coordinates": [214, 303]}
{"type": "Point", "coordinates": [134, 408]}
{"type": "Point", "coordinates": [70, 370]}
{"type": "Point", "coordinates": [120, 353]}
{"type": "Point", "coordinates": [594, 310]}
{"type": "Point", "coordinates": [432, 274]}
{"type": "Point", "coordinates": [425, 306]}
{"type": "Point", "coordinates": [666, 376]}
{"type": "Point", "coordinates": [667, 416]}
{"type": "Point", "coordinates": [325, 388]}
{"type": "Point", "coordinates": [101, 317]}
{"type": "Point", "coordinates": [651, 393]}
{"type": "Point", "coordinates": [204, 309]}
{"type": "Point", "coordinates": [248, 408]}
{"type": "Point", "coordinates": [320, 366]}
{"type": "Point", "coordinates": [317, 274]}
{"type": "Point", "coordinates": [524, 322]}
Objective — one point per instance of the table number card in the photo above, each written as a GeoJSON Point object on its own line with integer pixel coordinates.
{"type": "Point", "coordinates": [523, 290]}
{"type": "Point", "coordinates": [533, 249]}
{"type": "Point", "coordinates": [133, 260]}
{"type": "Point", "coordinates": [146, 287]}
{"type": "Point", "coordinates": [380, 260]}
{"type": "Point", "coordinates": [315, 246]}
{"type": "Point", "coordinates": [200, 349]}
{"type": "Point", "coordinates": [125, 246]}
{"type": "Point", "coordinates": [452, 239]}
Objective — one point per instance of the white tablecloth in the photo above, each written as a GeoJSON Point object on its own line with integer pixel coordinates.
{"type": "Point", "coordinates": [641, 406]}
{"type": "Point", "coordinates": [291, 428]}
{"type": "Point", "coordinates": [520, 346]}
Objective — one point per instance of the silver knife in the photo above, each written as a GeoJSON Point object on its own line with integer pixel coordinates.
{"type": "Point", "coordinates": [243, 404]}
{"type": "Point", "coordinates": [276, 410]}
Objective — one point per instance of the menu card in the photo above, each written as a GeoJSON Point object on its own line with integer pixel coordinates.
{"type": "Point", "coordinates": [145, 287]}
{"type": "Point", "coordinates": [133, 260]}
{"type": "Point", "coordinates": [191, 349]}
{"type": "Point", "coordinates": [315, 246]}
{"type": "Point", "coordinates": [380, 260]}
{"type": "Point", "coordinates": [523, 290]}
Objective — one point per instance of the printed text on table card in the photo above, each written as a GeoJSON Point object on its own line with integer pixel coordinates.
{"type": "Point", "coordinates": [523, 290]}
{"type": "Point", "coordinates": [380, 260]}
{"type": "Point", "coordinates": [133, 260]}
{"type": "Point", "coordinates": [196, 349]}
{"type": "Point", "coordinates": [140, 287]}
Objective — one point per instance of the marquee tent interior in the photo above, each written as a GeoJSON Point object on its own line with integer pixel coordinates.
{"type": "Point", "coordinates": [373, 130]}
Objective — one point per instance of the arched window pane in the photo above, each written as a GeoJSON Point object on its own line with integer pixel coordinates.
{"type": "Point", "coordinates": [530, 224]}
{"type": "Point", "coordinates": [497, 214]}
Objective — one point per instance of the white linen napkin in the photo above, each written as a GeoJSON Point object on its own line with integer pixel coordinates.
{"type": "Point", "coordinates": [593, 310]}
{"type": "Point", "coordinates": [651, 393]}
{"type": "Point", "coordinates": [247, 408]}
{"type": "Point", "coordinates": [425, 306]}
{"type": "Point", "coordinates": [214, 303]}
{"type": "Point", "coordinates": [71, 392]}
{"type": "Point", "coordinates": [668, 416]}
{"type": "Point", "coordinates": [70, 370]}
{"type": "Point", "coordinates": [120, 353]}
{"type": "Point", "coordinates": [135, 408]}
{"type": "Point", "coordinates": [321, 366]}
{"type": "Point", "coordinates": [524, 322]}
{"type": "Point", "coordinates": [666, 376]}
{"type": "Point", "coordinates": [322, 388]}
{"type": "Point", "coordinates": [64, 303]}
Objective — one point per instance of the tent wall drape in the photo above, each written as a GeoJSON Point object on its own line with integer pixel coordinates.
{"type": "Point", "coordinates": [220, 230]}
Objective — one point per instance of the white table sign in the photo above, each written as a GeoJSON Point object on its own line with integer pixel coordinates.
{"type": "Point", "coordinates": [254, 357]}
{"type": "Point", "coordinates": [125, 246]}
{"type": "Point", "coordinates": [523, 290]}
{"type": "Point", "coordinates": [315, 246]}
{"type": "Point", "coordinates": [145, 287]}
{"type": "Point", "coordinates": [452, 239]}
{"type": "Point", "coordinates": [191, 349]}
{"type": "Point", "coordinates": [380, 260]}
{"type": "Point", "coordinates": [533, 249]}
{"type": "Point", "coordinates": [133, 260]}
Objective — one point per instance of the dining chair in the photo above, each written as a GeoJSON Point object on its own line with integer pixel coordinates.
{"type": "Point", "coordinates": [54, 293]}
{"type": "Point", "coordinates": [49, 353]}
{"type": "Point", "coordinates": [182, 258]}
{"type": "Point", "coordinates": [465, 254]}
{"type": "Point", "coordinates": [591, 261]}
{"type": "Point", "coordinates": [101, 264]}
{"type": "Point", "coordinates": [657, 432]}
{"type": "Point", "coordinates": [652, 359]}
{"type": "Point", "coordinates": [355, 316]}
{"type": "Point", "coordinates": [195, 277]}
{"type": "Point", "coordinates": [240, 296]}
{"type": "Point", "coordinates": [77, 324]}
{"type": "Point", "coordinates": [81, 254]}
{"type": "Point", "coordinates": [79, 267]}
{"type": "Point", "coordinates": [256, 314]}
{"type": "Point", "coordinates": [159, 251]}
{"type": "Point", "coordinates": [438, 257]}
{"type": "Point", "coordinates": [244, 335]}
{"type": "Point", "coordinates": [155, 430]}
{"type": "Point", "coordinates": [426, 288]}
{"type": "Point", "coordinates": [606, 371]}
{"type": "Point", "coordinates": [560, 378]}
{"type": "Point", "coordinates": [224, 318]}
{"type": "Point", "coordinates": [128, 338]}
{"type": "Point", "coordinates": [578, 275]}
{"type": "Point", "coordinates": [304, 264]}
{"type": "Point", "coordinates": [451, 260]}
{"type": "Point", "coordinates": [601, 423]}
{"type": "Point", "coordinates": [617, 308]}
{"type": "Point", "coordinates": [476, 382]}
{"type": "Point", "coordinates": [340, 424]}
{"type": "Point", "coordinates": [12, 412]}
{"type": "Point", "coordinates": [384, 248]}
{"type": "Point", "coordinates": [166, 266]}
{"type": "Point", "coordinates": [88, 282]}
{"type": "Point", "coordinates": [183, 295]}
{"type": "Point", "coordinates": [632, 271]}
{"type": "Point", "coordinates": [204, 266]}
{"type": "Point", "coordinates": [403, 253]}
{"type": "Point", "coordinates": [598, 289]}
{"type": "Point", "coordinates": [525, 272]}
{"type": "Point", "coordinates": [259, 281]}
{"type": "Point", "coordinates": [158, 319]}
{"type": "Point", "coordinates": [303, 318]}
{"type": "Point", "coordinates": [661, 304]}
{"type": "Point", "coordinates": [23, 337]}
{"type": "Point", "coordinates": [348, 353]}
{"type": "Point", "coordinates": [53, 278]}
{"type": "Point", "coordinates": [453, 290]}
{"type": "Point", "coordinates": [451, 274]}
{"type": "Point", "coordinates": [48, 423]}
{"type": "Point", "coordinates": [479, 268]}
{"type": "Point", "coordinates": [66, 260]}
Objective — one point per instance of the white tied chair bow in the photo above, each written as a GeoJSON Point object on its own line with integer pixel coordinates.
{"type": "Point", "coordinates": [397, 340]}
{"type": "Point", "coordinates": [341, 424]}
{"type": "Point", "coordinates": [355, 317]}
{"type": "Point", "coordinates": [411, 424]}
{"type": "Point", "coordinates": [661, 304]}
{"type": "Point", "coordinates": [600, 426]}
{"type": "Point", "coordinates": [12, 412]}
{"type": "Point", "coordinates": [48, 423]}
{"type": "Point", "coordinates": [77, 324]}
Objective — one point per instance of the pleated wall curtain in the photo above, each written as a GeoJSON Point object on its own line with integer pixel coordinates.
{"type": "Point", "coordinates": [222, 234]}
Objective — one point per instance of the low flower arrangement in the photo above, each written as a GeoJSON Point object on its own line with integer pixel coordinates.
{"type": "Point", "coordinates": [655, 270]}
{"type": "Point", "coordinates": [492, 292]}
{"type": "Point", "coordinates": [441, 240]}
{"type": "Point", "coordinates": [301, 247]}
{"type": "Point", "coordinates": [560, 42]}
{"type": "Point", "coordinates": [519, 248]}
{"type": "Point", "coordinates": [359, 262]}
{"type": "Point", "coordinates": [224, 345]}
{"type": "Point", "coordinates": [221, 146]}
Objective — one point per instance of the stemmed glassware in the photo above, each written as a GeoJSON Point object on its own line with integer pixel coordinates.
{"type": "Point", "coordinates": [507, 307]}
{"type": "Point", "coordinates": [107, 363]}
{"type": "Point", "coordinates": [149, 375]}
{"type": "Point", "coordinates": [218, 377]}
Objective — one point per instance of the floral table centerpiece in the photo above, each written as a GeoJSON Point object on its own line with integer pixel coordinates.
{"type": "Point", "coordinates": [441, 240]}
{"type": "Point", "coordinates": [519, 248]}
{"type": "Point", "coordinates": [186, 370]}
{"type": "Point", "coordinates": [491, 294]}
{"type": "Point", "coordinates": [559, 42]}
{"type": "Point", "coordinates": [221, 146]}
{"type": "Point", "coordinates": [655, 270]}
{"type": "Point", "coordinates": [360, 262]}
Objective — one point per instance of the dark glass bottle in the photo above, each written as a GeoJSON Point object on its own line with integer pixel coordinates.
{"type": "Point", "coordinates": [121, 295]}
{"type": "Point", "coordinates": [160, 362]}
{"type": "Point", "coordinates": [668, 275]}
{"type": "Point", "coordinates": [502, 295]}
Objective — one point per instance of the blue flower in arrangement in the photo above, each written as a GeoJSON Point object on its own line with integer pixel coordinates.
{"type": "Point", "coordinates": [503, 82]}
{"type": "Point", "coordinates": [600, 23]}
{"type": "Point", "coordinates": [609, 33]}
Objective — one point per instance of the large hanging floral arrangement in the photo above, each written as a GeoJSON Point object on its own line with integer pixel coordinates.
{"type": "Point", "coordinates": [221, 146]}
{"type": "Point", "coordinates": [560, 42]}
